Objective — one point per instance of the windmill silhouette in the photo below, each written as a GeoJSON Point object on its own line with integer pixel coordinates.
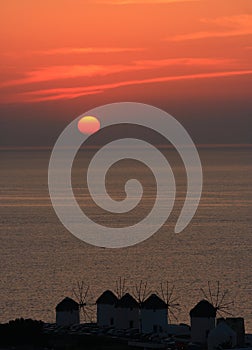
{"type": "Point", "coordinates": [120, 287]}
{"type": "Point", "coordinates": [167, 293]}
{"type": "Point", "coordinates": [141, 292]}
{"type": "Point", "coordinates": [81, 292]}
{"type": "Point", "coordinates": [219, 299]}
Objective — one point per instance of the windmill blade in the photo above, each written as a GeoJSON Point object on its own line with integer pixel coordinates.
{"type": "Point", "coordinates": [173, 301]}
{"type": "Point", "coordinates": [79, 287]}
{"type": "Point", "coordinates": [145, 293]}
{"type": "Point", "coordinates": [220, 314]}
{"type": "Point", "coordinates": [204, 294]}
{"type": "Point", "coordinates": [89, 312]}
{"type": "Point", "coordinates": [75, 294]}
{"type": "Point", "coordinates": [86, 293]}
{"type": "Point", "coordinates": [120, 287]}
{"type": "Point", "coordinates": [227, 304]}
{"type": "Point", "coordinates": [218, 299]}
{"type": "Point", "coordinates": [86, 315]}
{"type": "Point", "coordinates": [210, 292]}
{"type": "Point", "coordinates": [175, 305]}
{"type": "Point", "coordinates": [139, 290]}
{"type": "Point", "coordinates": [171, 293]}
{"type": "Point", "coordinates": [173, 314]}
{"type": "Point", "coordinates": [144, 290]}
{"type": "Point", "coordinates": [225, 312]}
{"type": "Point", "coordinates": [167, 292]}
{"type": "Point", "coordinates": [218, 292]}
{"type": "Point", "coordinates": [80, 290]}
{"type": "Point", "coordinates": [136, 293]}
{"type": "Point", "coordinates": [117, 290]}
{"type": "Point", "coordinates": [162, 291]}
{"type": "Point", "coordinates": [122, 284]}
{"type": "Point", "coordinates": [224, 294]}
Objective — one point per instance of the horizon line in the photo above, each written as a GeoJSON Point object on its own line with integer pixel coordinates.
{"type": "Point", "coordinates": [199, 145]}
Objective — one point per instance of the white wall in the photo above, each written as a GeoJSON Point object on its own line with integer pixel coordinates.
{"type": "Point", "coordinates": [123, 316]}
{"type": "Point", "coordinates": [105, 314]}
{"type": "Point", "coordinates": [200, 327]}
{"type": "Point", "coordinates": [151, 318]}
{"type": "Point", "coordinates": [67, 318]}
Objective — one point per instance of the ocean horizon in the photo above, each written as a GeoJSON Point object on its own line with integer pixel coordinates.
{"type": "Point", "coordinates": [41, 261]}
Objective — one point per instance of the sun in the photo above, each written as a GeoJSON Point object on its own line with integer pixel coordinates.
{"type": "Point", "coordinates": [88, 125]}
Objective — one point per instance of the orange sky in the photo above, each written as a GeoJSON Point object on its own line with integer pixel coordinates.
{"type": "Point", "coordinates": [103, 50]}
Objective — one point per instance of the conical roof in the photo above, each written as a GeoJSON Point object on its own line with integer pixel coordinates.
{"type": "Point", "coordinates": [67, 304]}
{"type": "Point", "coordinates": [154, 302]}
{"type": "Point", "coordinates": [203, 309]}
{"type": "Point", "coordinates": [107, 298]}
{"type": "Point", "coordinates": [127, 301]}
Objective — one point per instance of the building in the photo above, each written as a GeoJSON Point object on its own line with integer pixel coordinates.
{"type": "Point", "coordinates": [221, 337]}
{"type": "Point", "coordinates": [237, 324]}
{"type": "Point", "coordinates": [153, 315]}
{"type": "Point", "coordinates": [203, 319]}
{"type": "Point", "coordinates": [177, 330]}
{"type": "Point", "coordinates": [106, 309]}
{"type": "Point", "coordinates": [67, 312]}
{"type": "Point", "coordinates": [127, 313]}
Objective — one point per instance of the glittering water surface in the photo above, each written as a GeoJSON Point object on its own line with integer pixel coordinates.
{"type": "Point", "coordinates": [41, 260]}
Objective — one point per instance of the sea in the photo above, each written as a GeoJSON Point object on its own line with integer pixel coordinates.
{"type": "Point", "coordinates": [42, 262]}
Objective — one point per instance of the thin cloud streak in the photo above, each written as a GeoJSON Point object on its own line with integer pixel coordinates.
{"type": "Point", "coordinates": [87, 50]}
{"type": "Point", "coordinates": [74, 50]}
{"type": "Point", "coordinates": [235, 26]}
{"type": "Point", "coordinates": [70, 93]}
{"type": "Point", "coordinates": [76, 71]}
{"type": "Point", "coordinates": [144, 2]}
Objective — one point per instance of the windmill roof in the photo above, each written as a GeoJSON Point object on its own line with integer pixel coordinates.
{"type": "Point", "coordinates": [127, 301]}
{"type": "Point", "coordinates": [67, 304]}
{"type": "Point", "coordinates": [203, 309]}
{"type": "Point", "coordinates": [154, 302]}
{"type": "Point", "coordinates": [107, 298]}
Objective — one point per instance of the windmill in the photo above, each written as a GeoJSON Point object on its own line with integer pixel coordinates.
{"type": "Point", "coordinates": [167, 294]}
{"type": "Point", "coordinates": [120, 287]}
{"type": "Point", "coordinates": [219, 299]}
{"type": "Point", "coordinates": [141, 292]}
{"type": "Point", "coordinates": [81, 293]}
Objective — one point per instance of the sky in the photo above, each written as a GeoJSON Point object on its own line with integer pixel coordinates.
{"type": "Point", "coordinates": [60, 58]}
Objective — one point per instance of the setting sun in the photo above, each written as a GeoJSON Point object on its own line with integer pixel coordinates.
{"type": "Point", "coordinates": [88, 125]}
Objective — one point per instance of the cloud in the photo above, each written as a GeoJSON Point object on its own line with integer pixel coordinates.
{"type": "Point", "coordinates": [54, 73]}
{"type": "Point", "coordinates": [233, 26]}
{"type": "Point", "coordinates": [74, 50]}
{"type": "Point", "coordinates": [74, 92]}
{"type": "Point", "coordinates": [86, 50]}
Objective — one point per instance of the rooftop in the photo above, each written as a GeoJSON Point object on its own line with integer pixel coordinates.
{"type": "Point", "coordinates": [127, 301]}
{"type": "Point", "coordinates": [67, 304]}
{"type": "Point", "coordinates": [154, 302]}
{"type": "Point", "coordinates": [203, 309]}
{"type": "Point", "coordinates": [107, 298]}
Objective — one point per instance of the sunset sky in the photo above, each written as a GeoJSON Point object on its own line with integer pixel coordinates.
{"type": "Point", "coordinates": [60, 58]}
